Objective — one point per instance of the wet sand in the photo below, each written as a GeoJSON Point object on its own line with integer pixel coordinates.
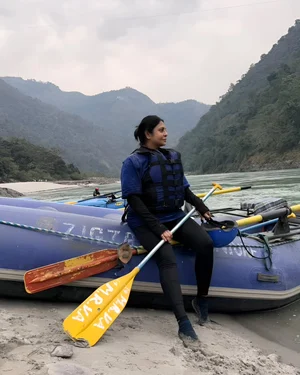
{"type": "Point", "coordinates": [276, 330]}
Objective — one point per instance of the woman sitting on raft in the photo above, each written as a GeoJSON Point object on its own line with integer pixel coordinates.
{"type": "Point", "coordinates": [155, 187]}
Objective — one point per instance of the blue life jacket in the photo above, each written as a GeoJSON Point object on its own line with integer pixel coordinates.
{"type": "Point", "coordinates": [163, 188]}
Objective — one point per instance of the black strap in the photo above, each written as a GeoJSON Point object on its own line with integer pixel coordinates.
{"type": "Point", "coordinates": [123, 218]}
{"type": "Point", "coordinates": [267, 248]}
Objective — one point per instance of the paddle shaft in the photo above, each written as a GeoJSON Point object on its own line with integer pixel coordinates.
{"type": "Point", "coordinates": [178, 225]}
{"type": "Point", "coordinates": [224, 191]}
{"type": "Point", "coordinates": [99, 196]}
{"type": "Point", "coordinates": [199, 195]}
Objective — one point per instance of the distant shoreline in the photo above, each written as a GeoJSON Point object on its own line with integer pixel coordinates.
{"type": "Point", "coordinates": [23, 188]}
{"type": "Point", "coordinates": [89, 181]}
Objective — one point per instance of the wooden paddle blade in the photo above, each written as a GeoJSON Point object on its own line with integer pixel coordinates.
{"type": "Point", "coordinates": [73, 269]}
{"type": "Point", "coordinates": [89, 321]}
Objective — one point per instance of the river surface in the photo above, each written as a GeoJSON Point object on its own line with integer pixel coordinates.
{"type": "Point", "coordinates": [280, 329]}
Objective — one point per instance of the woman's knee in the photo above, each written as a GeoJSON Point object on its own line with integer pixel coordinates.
{"type": "Point", "coordinates": [208, 242]}
{"type": "Point", "coordinates": [204, 245]}
{"type": "Point", "coordinates": [165, 256]}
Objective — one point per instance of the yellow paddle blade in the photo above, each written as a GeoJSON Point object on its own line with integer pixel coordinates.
{"type": "Point", "coordinates": [89, 321]}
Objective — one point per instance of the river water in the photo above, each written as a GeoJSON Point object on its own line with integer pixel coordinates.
{"type": "Point", "coordinates": [282, 184]}
{"type": "Point", "coordinates": [280, 329]}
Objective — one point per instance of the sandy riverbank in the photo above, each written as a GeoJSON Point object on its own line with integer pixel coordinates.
{"type": "Point", "coordinates": [90, 181]}
{"type": "Point", "coordinates": [32, 186]}
{"type": "Point", "coordinates": [140, 341]}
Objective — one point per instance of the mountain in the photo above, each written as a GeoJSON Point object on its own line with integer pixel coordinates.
{"type": "Point", "coordinates": [116, 112]}
{"type": "Point", "coordinates": [78, 141]}
{"type": "Point", "coordinates": [256, 124]}
{"type": "Point", "coordinates": [97, 143]}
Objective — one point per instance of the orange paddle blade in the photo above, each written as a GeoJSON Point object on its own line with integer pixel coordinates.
{"type": "Point", "coordinates": [70, 270]}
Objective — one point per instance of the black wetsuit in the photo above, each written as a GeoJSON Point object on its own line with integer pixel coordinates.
{"type": "Point", "coordinates": [190, 234]}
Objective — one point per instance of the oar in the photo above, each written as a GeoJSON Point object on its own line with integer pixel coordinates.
{"type": "Point", "coordinates": [81, 267]}
{"type": "Point", "coordinates": [200, 195]}
{"type": "Point", "coordinates": [89, 321]}
{"type": "Point", "coordinates": [101, 196]}
{"type": "Point", "coordinates": [259, 225]}
{"type": "Point", "coordinates": [97, 197]}
{"type": "Point", "coordinates": [224, 191]}
{"type": "Point", "coordinates": [267, 216]}
{"type": "Point", "coordinates": [264, 219]}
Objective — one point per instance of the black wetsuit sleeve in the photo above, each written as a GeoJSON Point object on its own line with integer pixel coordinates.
{"type": "Point", "coordinates": [141, 209]}
{"type": "Point", "coordinates": [195, 201]}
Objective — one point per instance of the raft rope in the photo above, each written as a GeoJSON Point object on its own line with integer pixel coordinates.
{"type": "Point", "coordinates": [62, 234]}
{"type": "Point", "coordinates": [260, 237]}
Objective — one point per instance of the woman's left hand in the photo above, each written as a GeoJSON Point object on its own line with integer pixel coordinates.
{"type": "Point", "coordinates": [207, 215]}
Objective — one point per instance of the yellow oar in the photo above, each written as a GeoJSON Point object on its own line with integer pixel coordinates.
{"type": "Point", "coordinates": [224, 191]}
{"type": "Point", "coordinates": [200, 195]}
{"type": "Point", "coordinates": [265, 219]}
{"type": "Point", "coordinates": [267, 216]}
{"type": "Point", "coordinates": [89, 321]}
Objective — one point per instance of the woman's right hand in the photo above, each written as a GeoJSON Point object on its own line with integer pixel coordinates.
{"type": "Point", "coordinates": [167, 236]}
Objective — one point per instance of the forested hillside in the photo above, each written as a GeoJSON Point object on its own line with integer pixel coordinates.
{"type": "Point", "coordinates": [22, 161]}
{"type": "Point", "coordinates": [78, 141]}
{"type": "Point", "coordinates": [256, 124]}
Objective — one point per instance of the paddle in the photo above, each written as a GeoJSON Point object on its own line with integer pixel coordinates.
{"type": "Point", "coordinates": [222, 239]}
{"type": "Point", "coordinates": [268, 215]}
{"type": "Point", "coordinates": [67, 271]}
{"type": "Point", "coordinates": [200, 195]}
{"type": "Point", "coordinates": [224, 191]}
{"type": "Point", "coordinates": [273, 221]}
{"type": "Point", "coordinates": [97, 197]}
{"type": "Point", "coordinates": [101, 196]}
{"type": "Point", "coordinates": [89, 321]}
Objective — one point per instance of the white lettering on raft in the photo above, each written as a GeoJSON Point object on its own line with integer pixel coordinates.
{"type": "Point", "coordinates": [239, 251]}
{"type": "Point", "coordinates": [94, 230]}
{"type": "Point", "coordinates": [114, 232]}
{"type": "Point", "coordinates": [98, 233]}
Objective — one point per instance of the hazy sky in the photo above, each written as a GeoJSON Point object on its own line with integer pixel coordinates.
{"type": "Point", "coordinates": [170, 50]}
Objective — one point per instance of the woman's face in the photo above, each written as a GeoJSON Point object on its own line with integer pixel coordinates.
{"type": "Point", "coordinates": [158, 138]}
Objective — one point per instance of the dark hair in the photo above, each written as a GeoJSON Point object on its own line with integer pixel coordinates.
{"type": "Point", "coordinates": [146, 125]}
